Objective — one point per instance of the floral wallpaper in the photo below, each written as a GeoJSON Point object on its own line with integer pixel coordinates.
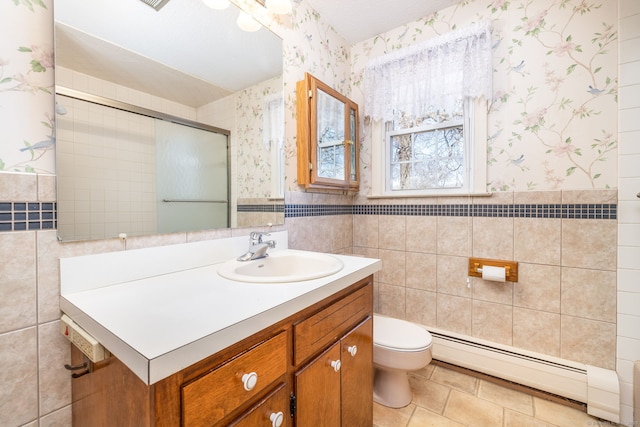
{"type": "Point", "coordinates": [309, 45]}
{"type": "Point", "coordinates": [26, 83]}
{"type": "Point", "coordinates": [553, 116]}
{"type": "Point", "coordinates": [26, 78]}
{"type": "Point", "coordinates": [552, 120]}
{"type": "Point", "coordinates": [253, 177]}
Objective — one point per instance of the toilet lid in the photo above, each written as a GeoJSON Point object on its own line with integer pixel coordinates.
{"type": "Point", "coordinates": [399, 334]}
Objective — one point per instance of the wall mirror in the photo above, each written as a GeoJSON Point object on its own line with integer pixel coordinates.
{"type": "Point", "coordinates": [166, 120]}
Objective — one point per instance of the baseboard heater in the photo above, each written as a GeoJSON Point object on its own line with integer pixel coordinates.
{"type": "Point", "coordinates": [597, 387]}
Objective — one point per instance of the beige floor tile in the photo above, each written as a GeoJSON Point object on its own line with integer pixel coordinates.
{"type": "Point", "coordinates": [506, 397]}
{"type": "Point", "coordinates": [458, 400]}
{"type": "Point", "coordinates": [426, 371]}
{"type": "Point", "coordinates": [423, 418]}
{"type": "Point", "coordinates": [389, 417]}
{"type": "Point", "coordinates": [472, 411]}
{"type": "Point", "coordinates": [428, 394]}
{"type": "Point", "coordinates": [560, 415]}
{"type": "Point", "coordinates": [455, 380]}
{"type": "Point", "coordinates": [516, 419]}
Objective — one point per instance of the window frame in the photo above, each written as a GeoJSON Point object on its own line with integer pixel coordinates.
{"type": "Point", "coordinates": [389, 134]}
{"type": "Point", "coordinates": [475, 135]}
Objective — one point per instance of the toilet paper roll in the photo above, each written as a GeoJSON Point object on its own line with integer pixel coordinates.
{"type": "Point", "coordinates": [496, 274]}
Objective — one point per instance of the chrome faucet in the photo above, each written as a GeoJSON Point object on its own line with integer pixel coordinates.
{"type": "Point", "coordinates": [257, 247]}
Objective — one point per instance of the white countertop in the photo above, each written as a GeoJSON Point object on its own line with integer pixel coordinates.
{"type": "Point", "coordinates": [162, 324]}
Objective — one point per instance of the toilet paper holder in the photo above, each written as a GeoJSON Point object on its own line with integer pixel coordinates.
{"type": "Point", "coordinates": [511, 267]}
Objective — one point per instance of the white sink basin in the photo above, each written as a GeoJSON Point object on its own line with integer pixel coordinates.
{"type": "Point", "coordinates": [280, 267]}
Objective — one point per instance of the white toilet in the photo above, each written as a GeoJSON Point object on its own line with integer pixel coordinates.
{"type": "Point", "coordinates": [398, 347]}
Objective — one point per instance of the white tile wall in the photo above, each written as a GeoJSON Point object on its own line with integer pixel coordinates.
{"type": "Point", "coordinates": [629, 73]}
{"type": "Point", "coordinates": [628, 280]}
{"type": "Point", "coordinates": [629, 163]}
{"type": "Point", "coordinates": [106, 171]}
{"type": "Point", "coordinates": [629, 8]}
{"type": "Point", "coordinates": [630, 50]}
{"type": "Point", "coordinates": [627, 235]}
{"type": "Point", "coordinates": [626, 326]}
{"type": "Point", "coordinates": [630, 26]}
{"type": "Point", "coordinates": [628, 344]}
{"type": "Point", "coordinates": [628, 303]}
{"type": "Point", "coordinates": [125, 172]}
{"type": "Point", "coordinates": [630, 98]}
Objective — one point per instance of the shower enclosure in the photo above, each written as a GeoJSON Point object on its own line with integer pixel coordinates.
{"type": "Point", "coordinates": [126, 170]}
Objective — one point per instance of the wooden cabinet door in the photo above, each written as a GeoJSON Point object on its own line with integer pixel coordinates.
{"type": "Point", "coordinates": [318, 391]}
{"type": "Point", "coordinates": [328, 138]}
{"type": "Point", "coordinates": [266, 413]}
{"type": "Point", "coordinates": [357, 376]}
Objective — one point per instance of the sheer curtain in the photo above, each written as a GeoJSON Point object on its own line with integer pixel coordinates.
{"type": "Point", "coordinates": [273, 122]}
{"type": "Point", "coordinates": [436, 73]}
{"type": "Point", "coordinates": [273, 140]}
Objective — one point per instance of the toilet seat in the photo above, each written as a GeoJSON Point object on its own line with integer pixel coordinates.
{"type": "Point", "coordinates": [399, 335]}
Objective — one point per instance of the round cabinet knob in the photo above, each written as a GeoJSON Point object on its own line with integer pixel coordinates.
{"type": "Point", "coordinates": [277, 418]}
{"type": "Point", "coordinates": [335, 364]}
{"type": "Point", "coordinates": [353, 350]}
{"type": "Point", "coordinates": [249, 380]}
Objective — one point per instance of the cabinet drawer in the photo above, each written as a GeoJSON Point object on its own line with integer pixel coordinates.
{"type": "Point", "coordinates": [211, 397]}
{"type": "Point", "coordinates": [275, 405]}
{"type": "Point", "coordinates": [316, 332]}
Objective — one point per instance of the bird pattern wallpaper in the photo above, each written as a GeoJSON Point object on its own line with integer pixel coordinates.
{"type": "Point", "coordinates": [552, 121]}
{"type": "Point", "coordinates": [26, 87]}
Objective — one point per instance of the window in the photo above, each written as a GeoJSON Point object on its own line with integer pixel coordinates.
{"type": "Point", "coordinates": [427, 157]}
{"type": "Point", "coordinates": [432, 154]}
{"type": "Point", "coordinates": [426, 139]}
{"type": "Point", "coordinates": [331, 136]}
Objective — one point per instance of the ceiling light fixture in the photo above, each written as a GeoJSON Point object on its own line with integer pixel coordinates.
{"type": "Point", "coordinates": [156, 4]}
{"type": "Point", "coordinates": [279, 7]}
{"type": "Point", "coordinates": [217, 4]}
{"type": "Point", "coordinates": [247, 23]}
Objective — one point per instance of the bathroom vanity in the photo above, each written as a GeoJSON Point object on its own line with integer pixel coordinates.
{"type": "Point", "coordinates": [191, 348]}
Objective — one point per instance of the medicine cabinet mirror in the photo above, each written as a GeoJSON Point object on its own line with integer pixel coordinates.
{"type": "Point", "coordinates": [206, 78]}
{"type": "Point", "coordinates": [328, 148]}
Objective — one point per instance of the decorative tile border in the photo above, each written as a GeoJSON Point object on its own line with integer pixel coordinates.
{"type": "Point", "coordinates": [261, 208]}
{"type": "Point", "coordinates": [21, 216]}
{"type": "Point", "coordinates": [296, 211]}
{"type": "Point", "coordinates": [561, 211]}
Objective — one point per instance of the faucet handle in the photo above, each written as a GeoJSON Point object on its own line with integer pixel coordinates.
{"type": "Point", "coordinates": [256, 236]}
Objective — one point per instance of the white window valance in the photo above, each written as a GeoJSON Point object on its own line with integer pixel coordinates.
{"type": "Point", "coordinates": [438, 72]}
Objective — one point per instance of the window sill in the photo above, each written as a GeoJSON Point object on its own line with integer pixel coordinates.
{"type": "Point", "coordinates": [424, 196]}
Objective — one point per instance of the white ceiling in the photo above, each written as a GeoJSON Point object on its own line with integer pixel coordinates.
{"type": "Point", "coordinates": [358, 20]}
{"type": "Point", "coordinates": [175, 38]}
{"type": "Point", "coordinates": [115, 64]}
{"type": "Point", "coordinates": [113, 39]}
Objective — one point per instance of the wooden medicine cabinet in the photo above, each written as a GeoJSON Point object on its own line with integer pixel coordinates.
{"type": "Point", "coordinates": [328, 148]}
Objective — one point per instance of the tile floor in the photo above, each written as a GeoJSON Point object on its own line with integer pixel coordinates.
{"type": "Point", "coordinates": [450, 398]}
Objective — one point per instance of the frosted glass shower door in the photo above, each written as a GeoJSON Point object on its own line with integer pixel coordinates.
{"type": "Point", "coordinates": [192, 178]}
